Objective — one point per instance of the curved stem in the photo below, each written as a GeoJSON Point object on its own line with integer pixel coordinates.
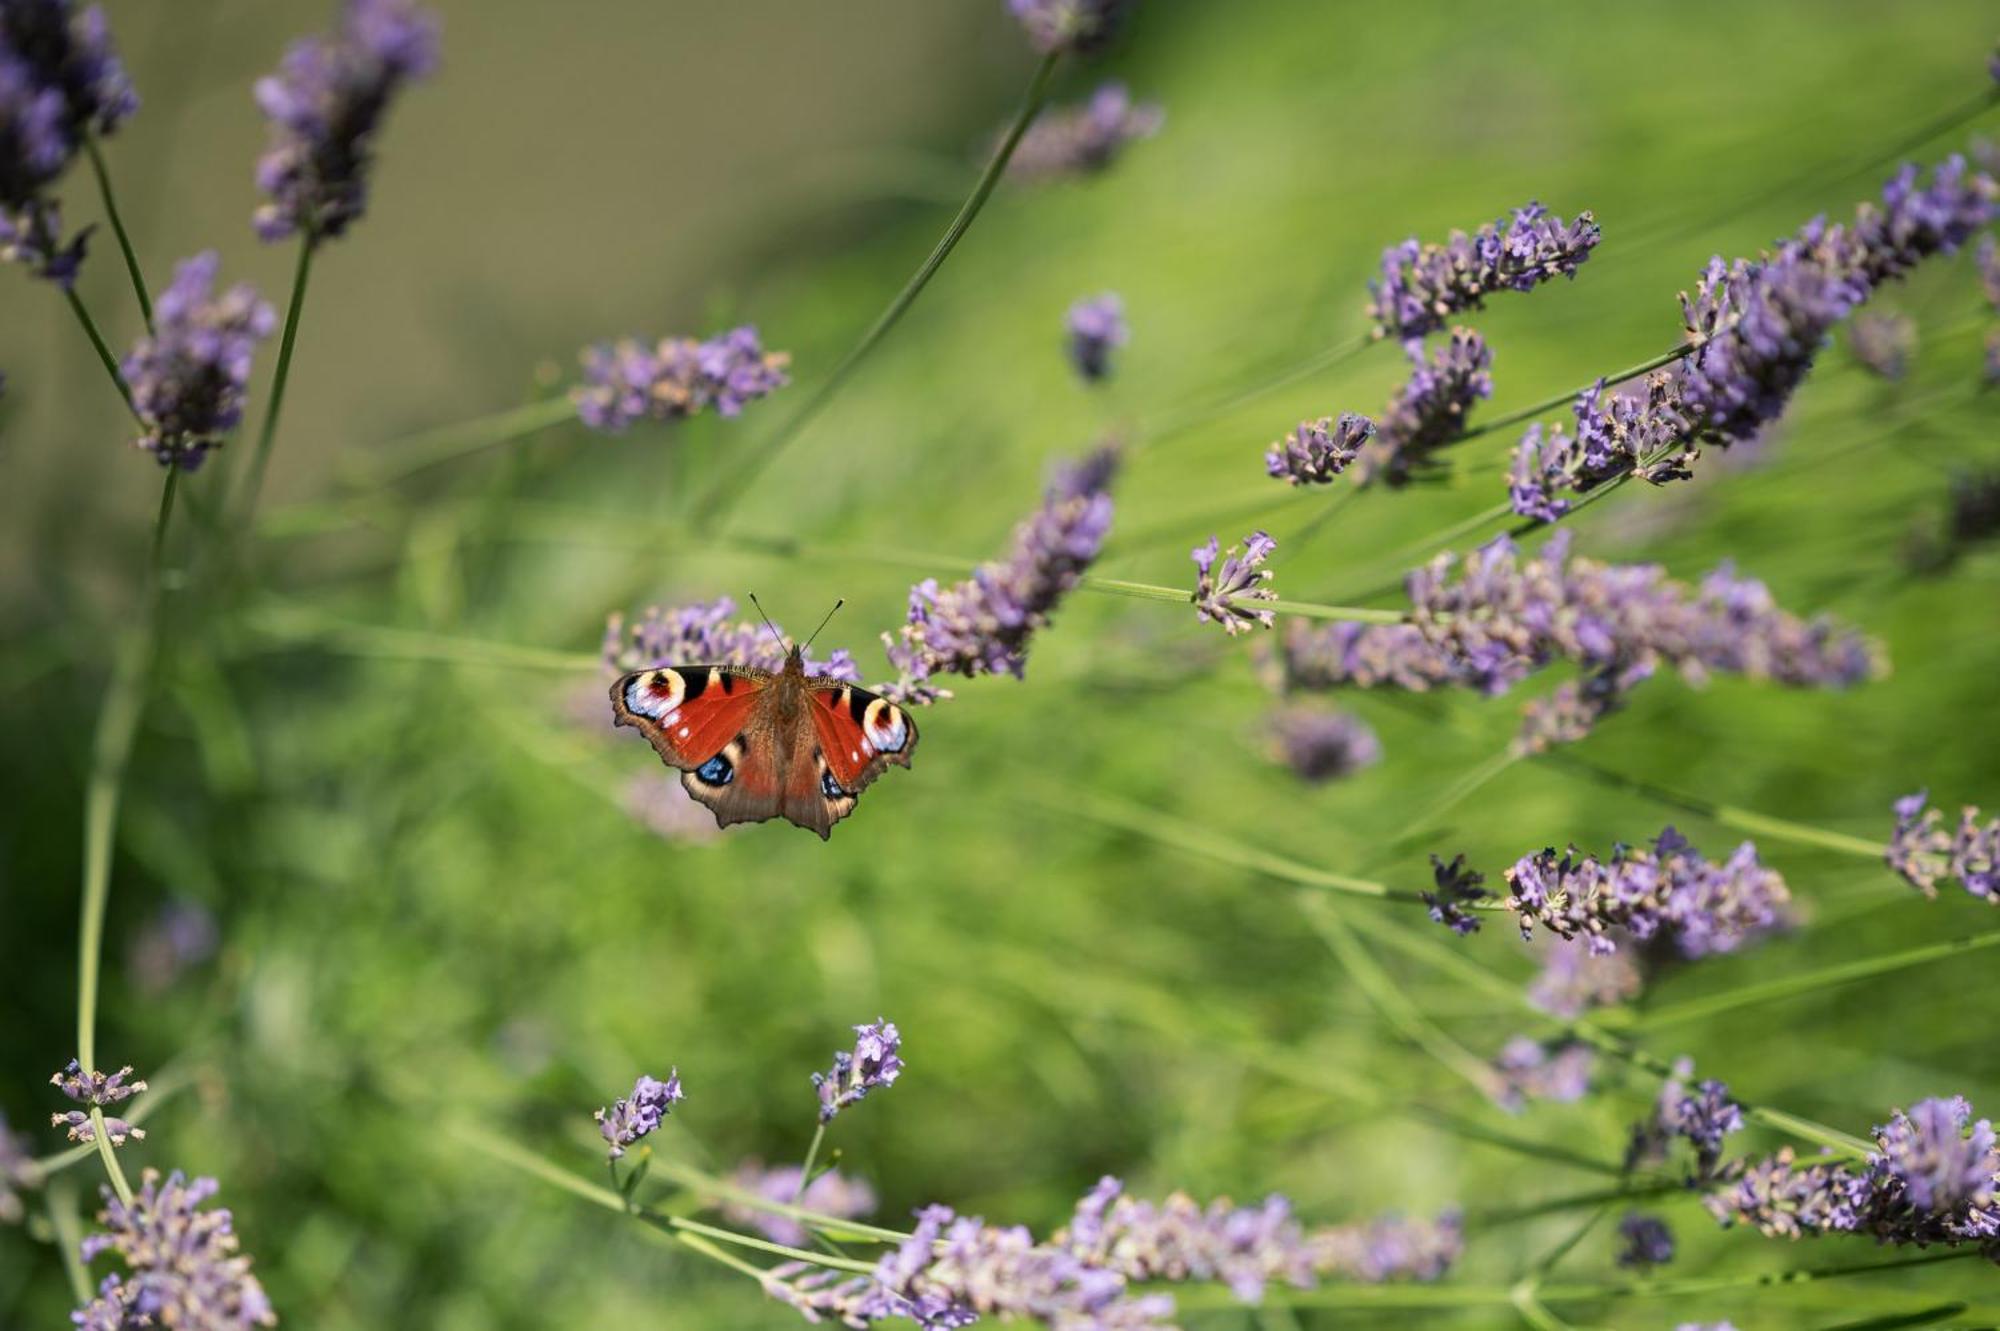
{"type": "Point", "coordinates": [713, 506]}
{"type": "Point", "coordinates": [109, 1154]}
{"type": "Point", "coordinates": [97, 169]}
{"type": "Point", "coordinates": [253, 481]}
{"type": "Point", "coordinates": [806, 1170]}
{"type": "Point", "coordinates": [97, 344]}
{"type": "Point", "coordinates": [1146, 591]}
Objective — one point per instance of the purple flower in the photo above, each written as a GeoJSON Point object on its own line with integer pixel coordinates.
{"type": "Point", "coordinates": [1084, 26]}
{"type": "Point", "coordinates": [1647, 1241]}
{"type": "Point", "coordinates": [1530, 1070]}
{"type": "Point", "coordinates": [701, 633]}
{"type": "Point", "coordinates": [179, 936]}
{"type": "Point", "coordinates": [1650, 433]}
{"type": "Point", "coordinates": [1924, 854]}
{"type": "Point", "coordinates": [831, 1193]}
{"type": "Point", "coordinates": [984, 625]}
{"type": "Point", "coordinates": [1457, 888]}
{"type": "Point", "coordinates": [183, 1264]}
{"type": "Point", "coordinates": [1218, 593]}
{"type": "Point", "coordinates": [1423, 285]}
{"type": "Point", "coordinates": [1668, 891]}
{"type": "Point", "coordinates": [640, 1113]}
{"type": "Point", "coordinates": [1883, 343]}
{"type": "Point", "coordinates": [95, 1088]}
{"type": "Point", "coordinates": [326, 104]}
{"type": "Point", "coordinates": [1575, 978]}
{"type": "Point", "coordinates": [875, 1062]}
{"type": "Point", "coordinates": [1702, 1116]}
{"type": "Point", "coordinates": [1390, 1248]}
{"type": "Point", "coordinates": [188, 377]}
{"type": "Point", "coordinates": [628, 381]}
{"type": "Point", "coordinates": [1086, 138]}
{"type": "Point", "coordinates": [1318, 450]}
{"type": "Point", "coordinates": [1939, 1157]}
{"type": "Point", "coordinates": [1096, 326]}
{"type": "Point", "coordinates": [1324, 746]}
{"type": "Point", "coordinates": [1429, 410]}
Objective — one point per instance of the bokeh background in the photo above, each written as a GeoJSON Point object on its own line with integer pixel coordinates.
{"type": "Point", "coordinates": [435, 901]}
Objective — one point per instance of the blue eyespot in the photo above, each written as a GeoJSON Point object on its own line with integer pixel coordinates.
{"type": "Point", "coordinates": [831, 788]}
{"type": "Point", "coordinates": [717, 771]}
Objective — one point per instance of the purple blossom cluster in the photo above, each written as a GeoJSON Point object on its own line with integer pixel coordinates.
{"type": "Point", "coordinates": [1423, 285]}
{"type": "Point", "coordinates": [1228, 595]}
{"type": "Point", "coordinates": [326, 104]}
{"type": "Point", "coordinates": [1883, 343]}
{"type": "Point", "coordinates": [831, 1193]}
{"type": "Point", "coordinates": [1323, 745]}
{"type": "Point", "coordinates": [60, 82]}
{"type": "Point", "coordinates": [1096, 327]}
{"type": "Point", "coordinates": [1508, 615]}
{"type": "Point", "coordinates": [184, 1267]}
{"type": "Point", "coordinates": [1458, 891]}
{"type": "Point", "coordinates": [1317, 451]}
{"type": "Point", "coordinates": [1925, 854]}
{"type": "Point", "coordinates": [1529, 1069]}
{"type": "Point", "coordinates": [1667, 891]}
{"type": "Point", "coordinates": [1086, 138]}
{"type": "Point", "coordinates": [1428, 411]}
{"type": "Point", "coordinates": [1702, 1116]}
{"type": "Point", "coordinates": [640, 1113]}
{"type": "Point", "coordinates": [189, 378]}
{"type": "Point", "coordinates": [96, 1090]}
{"type": "Point", "coordinates": [629, 381]}
{"type": "Point", "coordinates": [1084, 26]}
{"type": "Point", "coordinates": [1643, 433]}
{"type": "Point", "coordinates": [1934, 1178]}
{"type": "Point", "coordinates": [1576, 978]}
{"type": "Point", "coordinates": [705, 633]}
{"type": "Point", "coordinates": [1646, 1241]}
{"type": "Point", "coordinates": [876, 1062]}
{"type": "Point", "coordinates": [984, 625]}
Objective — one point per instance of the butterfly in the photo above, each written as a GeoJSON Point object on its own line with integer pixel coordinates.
{"type": "Point", "coordinates": [757, 744]}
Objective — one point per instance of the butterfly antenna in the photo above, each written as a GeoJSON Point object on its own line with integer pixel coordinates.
{"type": "Point", "coordinates": [782, 645]}
{"type": "Point", "coordinates": [829, 615]}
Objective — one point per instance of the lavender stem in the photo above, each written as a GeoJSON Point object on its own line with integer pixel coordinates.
{"type": "Point", "coordinates": [104, 356]}
{"type": "Point", "coordinates": [253, 481]}
{"type": "Point", "coordinates": [98, 169]}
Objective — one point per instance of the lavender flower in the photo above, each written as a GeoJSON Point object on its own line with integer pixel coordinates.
{"type": "Point", "coordinates": [17, 1171]}
{"type": "Point", "coordinates": [1324, 746]}
{"type": "Point", "coordinates": [1669, 891]}
{"type": "Point", "coordinates": [1422, 285]}
{"type": "Point", "coordinates": [639, 1114]}
{"type": "Point", "coordinates": [326, 104]}
{"type": "Point", "coordinates": [1429, 410]}
{"type": "Point", "coordinates": [830, 1193]}
{"type": "Point", "coordinates": [1575, 978]}
{"type": "Point", "coordinates": [1086, 138]}
{"type": "Point", "coordinates": [1218, 593]}
{"type": "Point", "coordinates": [1924, 854]}
{"type": "Point", "coordinates": [1884, 343]}
{"type": "Point", "coordinates": [1647, 1240]}
{"type": "Point", "coordinates": [71, 55]}
{"type": "Point", "coordinates": [31, 235]}
{"type": "Point", "coordinates": [1649, 433]}
{"type": "Point", "coordinates": [701, 633]}
{"type": "Point", "coordinates": [1702, 1116]}
{"type": "Point", "coordinates": [1315, 658]}
{"type": "Point", "coordinates": [1530, 1070]}
{"type": "Point", "coordinates": [1096, 326]}
{"type": "Point", "coordinates": [628, 381]}
{"type": "Point", "coordinates": [183, 1264]}
{"type": "Point", "coordinates": [984, 625]}
{"type": "Point", "coordinates": [875, 1062]}
{"type": "Point", "coordinates": [1390, 1248]}
{"type": "Point", "coordinates": [1318, 450]}
{"type": "Point", "coordinates": [1084, 26]}
{"type": "Point", "coordinates": [1933, 1179]}
{"type": "Point", "coordinates": [1457, 888]}
{"type": "Point", "coordinates": [666, 810]}
{"type": "Point", "coordinates": [95, 1088]}
{"type": "Point", "coordinates": [179, 936]}
{"type": "Point", "coordinates": [188, 377]}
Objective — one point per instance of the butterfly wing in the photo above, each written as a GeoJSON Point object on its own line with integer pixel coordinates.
{"type": "Point", "coordinates": [859, 734]}
{"type": "Point", "coordinates": [702, 719]}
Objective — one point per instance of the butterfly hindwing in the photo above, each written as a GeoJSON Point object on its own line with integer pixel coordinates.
{"type": "Point", "coordinates": [740, 783]}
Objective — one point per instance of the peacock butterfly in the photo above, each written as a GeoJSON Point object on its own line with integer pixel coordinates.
{"type": "Point", "coordinates": [757, 744]}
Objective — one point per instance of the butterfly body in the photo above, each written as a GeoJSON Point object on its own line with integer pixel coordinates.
{"type": "Point", "coordinates": [757, 744]}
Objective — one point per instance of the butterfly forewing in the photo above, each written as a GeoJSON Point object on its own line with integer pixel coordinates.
{"type": "Point", "coordinates": [860, 733]}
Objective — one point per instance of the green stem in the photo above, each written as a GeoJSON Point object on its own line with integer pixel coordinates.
{"type": "Point", "coordinates": [405, 458]}
{"type": "Point", "coordinates": [710, 1186]}
{"type": "Point", "coordinates": [109, 1154]}
{"type": "Point", "coordinates": [1146, 591]}
{"type": "Point", "coordinates": [253, 481]}
{"type": "Point", "coordinates": [158, 1089]}
{"type": "Point", "coordinates": [97, 169]}
{"type": "Point", "coordinates": [62, 1211]}
{"type": "Point", "coordinates": [104, 356]}
{"type": "Point", "coordinates": [741, 474]}
{"type": "Point", "coordinates": [1529, 413]}
{"type": "Point", "coordinates": [806, 1170]}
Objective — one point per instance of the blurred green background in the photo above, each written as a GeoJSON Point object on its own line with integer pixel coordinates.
{"type": "Point", "coordinates": [435, 903]}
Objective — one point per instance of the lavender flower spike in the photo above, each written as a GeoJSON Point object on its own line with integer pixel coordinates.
{"type": "Point", "coordinates": [1703, 1117]}
{"type": "Point", "coordinates": [1084, 139]}
{"type": "Point", "coordinates": [639, 1114]}
{"type": "Point", "coordinates": [184, 1267]}
{"type": "Point", "coordinates": [326, 104]}
{"type": "Point", "coordinates": [830, 1193]}
{"type": "Point", "coordinates": [1083, 26]}
{"type": "Point", "coordinates": [1530, 1070]}
{"type": "Point", "coordinates": [1317, 451]}
{"type": "Point", "coordinates": [189, 378]}
{"type": "Point", "coordinates": [875, 1062]}
{"type": "Point", "coordinates": [1648, 1241]}
{"type": "Point", "coordinates": [1219, 593]}
{"type": "Point", "coordinates": [1096, 327]}
{"type": "Point", "coordinates": [94, 1088]}
{"type": "Point", "coordinates": [1457, 888]}
{"type": "Point", "coordinates": [702, 633]}
{"type": "Point", "coordinates": [1924, 854]}
{"type": "Point", "coordinates": [1429, 410]}
{"type": "Point", "coordinates": [1324, 746]}
{"type": "Point", "coordinates": [629, 381]}
{"type": "Point", "coordinates": [1423, 285]}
